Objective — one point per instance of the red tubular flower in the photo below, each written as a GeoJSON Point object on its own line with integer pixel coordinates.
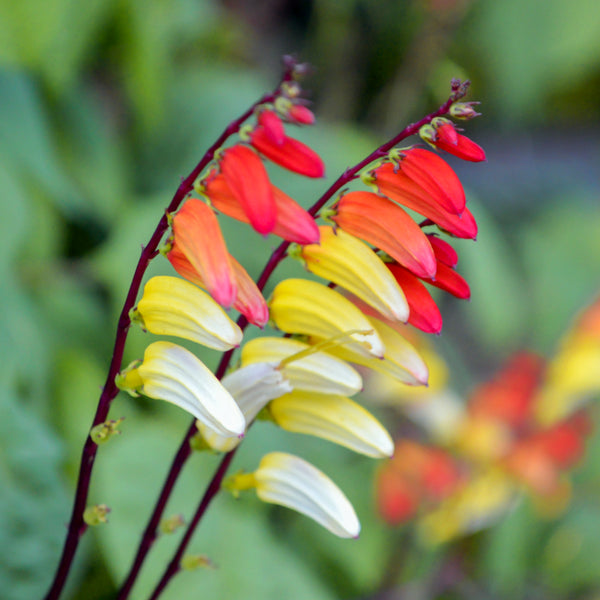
{"type": "Point", "coordinates": [424, 313]}
{"type": "Point", "coordinates": [443, 251]}
{"type": "Point", "coordinates": [436, 177]}
{"type": "Point", "coordinates": [293, 223]}
{"type": "Point", "coordinates": [463, 148]}
{"type": "Point", "coordinates": [247, 178]}
{"type": "Point", "coordinates": [301, 115]}
{"type": "Point", "coordinates": [380, 222]}
{"type": "Point", "coordinates": [291, 154]}
{"type": "Point", "coordinates": [397, 186]}
{"type": "Point", "coordinates": [270, 121]}
{"type": "Point", "coordinates": [447, 133]}
{"type": "Point", "coordinates": [198, 235]}
{"type": "Point", "coordinates": [450, 281]}
{"type": "Point", "coordinates": [249, 300]}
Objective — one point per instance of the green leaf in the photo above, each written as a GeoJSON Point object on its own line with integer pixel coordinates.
{"type": "Point", "coordinates": [234, 534]}
{"type": "Point", "coordinates": [33, 505]}
{"type": "Point", "coordinates": [510, 553]}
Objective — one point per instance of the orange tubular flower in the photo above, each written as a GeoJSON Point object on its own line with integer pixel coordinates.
{"type": "Point", "coordinates": [436, 177]}
{"type": "Point", "coordinates": [293, 223]}
{"type": "Point", "coordinates": [197, 234]}
{"type": "Point", "coordinates": [397, 186]}
{"type": "Point", "coordinates": [247, 178]}
{"type": "Point", "coordinates": [424, 313]}
{"type": "Point", "coordinates": [249, 301]}
{"type": "Point", "coordinates": [291, 154]}
{"type": "Point", "coordinates": [380, 222]}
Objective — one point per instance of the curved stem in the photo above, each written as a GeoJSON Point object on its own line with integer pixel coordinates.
{"type": "Point", "coordinates": [276, 257]}
{"type": "Point", "coordinates": [77, 526]}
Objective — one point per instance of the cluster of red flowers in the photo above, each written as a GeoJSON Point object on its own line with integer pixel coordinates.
{"type": "Point", "coordinates": [499, 431]}
{"type": "Point", "coordinates": [423, 182]}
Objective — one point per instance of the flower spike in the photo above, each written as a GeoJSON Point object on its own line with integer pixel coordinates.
{"type": "Point", "coordinates": [247, 178]}
{"type": "Point", "coordinates": [172, 373]}
{"type": "Point", "coordinates": [310, 308]}
{"type": "Point", "coordinates": [290, 481]}
{"type": "Point", "coordinates": [347, 262]}
{"type": "Point", "coordinates": [172, 306]}
{"type": "Point", "coordinates": [198, 236]}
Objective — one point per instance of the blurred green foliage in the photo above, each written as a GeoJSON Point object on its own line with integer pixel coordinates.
{"type": "Point", "coordinates": [105, 104]}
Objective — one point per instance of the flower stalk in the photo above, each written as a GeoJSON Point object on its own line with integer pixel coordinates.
{"type": "Point", "coordinates": [77, 525]}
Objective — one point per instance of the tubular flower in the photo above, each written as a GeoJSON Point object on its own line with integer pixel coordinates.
{"type": "Point", "coordinates": [293, 223]}
{"type": "Point", "coordinates": [396, 185]}
{"type": "Point", "coordinates": [172, 306]}
{"type": "Point", "coordinates": [310, 308]}
{"type": "Point", "coordinates": [172, 373]}
{"type": "Point", "coordinates": [424, 313]}
{"type": "Point", "coordinates": [300, 115]}
{"type": "Point", "coordinates": [443, 251]}
{"type": "Point", "coordinates": [272, 125]}
{"type": "Point", "coordinates": [435, 176]}
{"type": "Point", "coordinates": [198, 236]}
{"type": "Point", "coordinates": [249, 300]}
{"type": "Point", "coordinates": [291, 154]}
{"type": "Point", "coordinates": [400, 361]}
{"type": "Point", "coordinates": [380, 222]}
{"type": "Point", "coordinates": [347, 262]}
{"type": "Point", "coordinates": [251, 387]}
{"type": "Point", "coordinates": [289, 481]}
{"type": "Point", "coordinates": [247, 178]}
{"type": "Point", "coordinates": [448, 139]}
{"type": "Point", "coordinates": [304, 366]}
{"type": "Point", "coordinates": [334, 418]}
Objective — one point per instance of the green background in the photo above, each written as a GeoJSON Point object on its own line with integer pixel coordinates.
{"type": "Point", "coordinates": [106, 104]}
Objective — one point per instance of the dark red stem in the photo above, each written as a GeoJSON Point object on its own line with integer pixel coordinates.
{"type": "Point", "coordinates": [77, 525]}
{"type": "Point", "coordinates": [276, 257]}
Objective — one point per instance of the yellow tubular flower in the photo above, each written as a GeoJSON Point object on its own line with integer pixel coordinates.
{"type": "Point", "coordinates": [310, 308]}
{"type": "Point", "coordinates": [351, 264]}
{"type": "Point", "coordinates": [401, 360]}
{"type": "Point", "coordinates": [316, 371]}
{"type": "Point", "coordinates": [172, 373]}
{"type": "Point", "coordinates": [251, 387]}
{"type": "Point", "coordinates": [292, 482]}
{"type": "Point", "coordinates": [334, 418]}
{"type": "Point", "coordinates": [173, 306]}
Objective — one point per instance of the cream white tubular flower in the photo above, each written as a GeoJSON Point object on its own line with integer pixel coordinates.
{"type": "Point", "coordinates": [334, 418]}
{"type": "Point", "coordinates": [252, 387]}
{"type": "Point", "coordinates": [304, 366]}
{"type": "Point", "coordinates": [172, 373]}
{"type": "Point", "coordinates": [290, 481]}
{"type": "Point", "coordinates": [173, 306]}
